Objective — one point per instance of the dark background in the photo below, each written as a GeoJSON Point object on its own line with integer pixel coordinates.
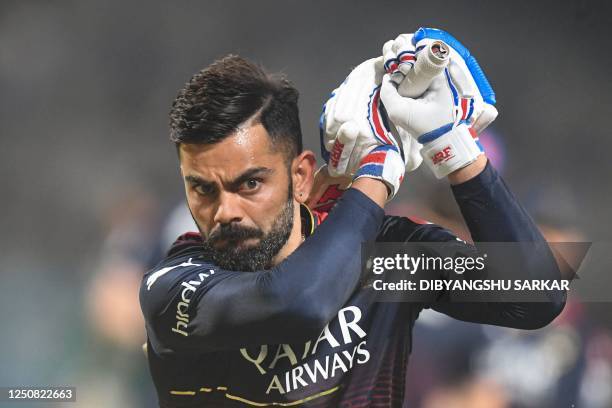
{"type": "Point", "coordinates": [85, 91]}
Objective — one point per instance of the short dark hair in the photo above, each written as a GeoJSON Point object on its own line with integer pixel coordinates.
{"type": "Point", "coordinates": [219, 98]}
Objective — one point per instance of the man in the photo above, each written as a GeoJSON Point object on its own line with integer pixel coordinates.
{"type": "Point", "coordinates": [265, 306]}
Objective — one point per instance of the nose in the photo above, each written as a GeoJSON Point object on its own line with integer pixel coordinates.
{"type": "Point", "coordinates": [228, 208]}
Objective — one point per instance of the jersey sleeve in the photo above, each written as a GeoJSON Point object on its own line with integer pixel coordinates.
{"type": "Point", "coordinates": [492, 214]}
{"type": "Point", "coordinates": [190, 304]}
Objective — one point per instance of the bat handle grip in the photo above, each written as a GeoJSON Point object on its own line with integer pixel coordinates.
{"type": "Point", "coordinates": [430, 62]}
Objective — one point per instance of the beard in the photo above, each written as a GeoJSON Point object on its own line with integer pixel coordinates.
{"type": "Point", "coordinates": [254, 257]}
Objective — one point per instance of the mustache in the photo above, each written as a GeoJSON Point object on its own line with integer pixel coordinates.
{"type": "Point", "coordinates": [234, 232]}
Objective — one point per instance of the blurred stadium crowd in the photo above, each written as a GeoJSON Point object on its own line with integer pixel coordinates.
{"type": "Point", "coordinates": [91, 196]}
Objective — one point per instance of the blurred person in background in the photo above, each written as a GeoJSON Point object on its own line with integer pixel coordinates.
{"type": "Point", "coordinates": [131, 223]}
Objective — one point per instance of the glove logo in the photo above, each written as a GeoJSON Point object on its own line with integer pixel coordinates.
{"type": "Point", "coordinates": [336, 154]}
{"type": "Point", "coordinates": [443, 155]}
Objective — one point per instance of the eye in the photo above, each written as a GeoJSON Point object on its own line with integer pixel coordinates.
{"type": "Point", "coordinates": [251, 184]}
{"type": "Point", "coordinates": [204, 190]}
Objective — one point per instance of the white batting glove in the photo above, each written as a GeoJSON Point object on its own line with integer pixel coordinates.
{"type": "Point", "coordinates": [354, 121]}
{"type": "Point", "coordinates": [473, 81]}
{"type": "Point", "coordinates": [454, 101]}
{"type": "Point", "coordinates": [412, 75]}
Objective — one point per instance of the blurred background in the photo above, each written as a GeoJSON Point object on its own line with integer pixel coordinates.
{"type": "Point", "coordinates": [90, 194]}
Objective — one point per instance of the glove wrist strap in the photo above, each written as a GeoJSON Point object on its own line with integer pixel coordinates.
{"type": "Point", "coordinates": [451, 151]}
{"type": "Point", "coordinates": [383, 163]}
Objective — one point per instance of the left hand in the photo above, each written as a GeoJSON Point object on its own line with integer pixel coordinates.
{"type": "Point", "coordinates": [455, 107]}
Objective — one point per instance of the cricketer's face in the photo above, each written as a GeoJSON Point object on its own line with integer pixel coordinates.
{"type": "Point", "coordinates": [239, 192]}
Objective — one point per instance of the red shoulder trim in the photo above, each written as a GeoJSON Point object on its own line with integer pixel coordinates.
{"type": "Point", "coordinates": [185, 240]}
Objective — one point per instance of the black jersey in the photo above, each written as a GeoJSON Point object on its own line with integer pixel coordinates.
{"type": "Point", "coordinates": [306, 333]}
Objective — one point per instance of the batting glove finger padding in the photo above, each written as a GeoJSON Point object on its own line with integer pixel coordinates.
{"type": "Point", "coordinates": [469, 77]}
{"type": "Point", "coordinates": [354, 121]}
{"type": "Point", "coordinates": [444, 99]}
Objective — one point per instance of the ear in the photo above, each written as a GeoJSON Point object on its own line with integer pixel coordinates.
{"type": "Point", "coordinates": [302, 172]}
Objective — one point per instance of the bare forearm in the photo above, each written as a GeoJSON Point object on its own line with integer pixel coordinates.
{"type": "Point", "coordinates": [375, 189]}
{"type": "Point", "coordinates": [468, 172]}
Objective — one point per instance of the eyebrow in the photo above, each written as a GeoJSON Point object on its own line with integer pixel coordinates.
{"type": "Point", "coordinates": [235, 183]}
